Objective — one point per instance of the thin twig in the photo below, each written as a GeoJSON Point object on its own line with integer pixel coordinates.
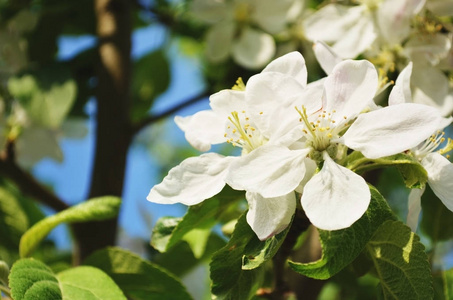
{"type": "Point", "coordinates": [152, 119]}
{"type": "Point", "coordinates": [26, 182]}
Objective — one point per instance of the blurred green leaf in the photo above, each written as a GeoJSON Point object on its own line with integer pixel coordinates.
{"type": "Point", "coordinates": [139, 279]}
{"type": "Point", "coordinates": [401, 262]}
{"type": "Point", "coordinates": [448, 283]}
{"type": "Point", "coordinates": [437, 220]}
{"type": "Point", "coordinates": [4, 272]}
{"type": "Point", "coordinates": [96, 209]}
{"type": "Point", "coordinates": [229, 280]}
{"type": "Point", "coordinates": [342, 247]}
{"type": "Point", "coordinates": [180, 259]}
{"type": "Point", "coordinates": [44, 95]}
{"type": "Point", "coordinates": [151, 77]}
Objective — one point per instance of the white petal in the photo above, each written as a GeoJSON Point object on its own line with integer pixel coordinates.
{"type": "Point", "coordinates": [271, 171]}
{"type": "Point", "coordinates": [270, 216]}
{"type": "Point", "coordinates": [310, 170]}
{"type": "Point", "coordinates": [336, 197]}
{"type": "Point", "coordinates": [326, 57]}
{"type": "Point", "coordinates": [394, 18]}
{"type": "Point", "coordinates": [392, 129]}
{"type": "Point", "coordinates": [331, 22]}
{"type": "Point", "coordinates": [291, 64]}
{"type": "Point", "coordinates": [202, 129]}
{"type": "Point", "coordinates": [440, 174]}
{"type": "Point", "coordinates": [431, 87]}
{"type": "Point", "coordinates": [227, 101]}
{"type": "Point", "coordinates": [401, 91]}
{"type": "Point", "coordinates": [359, 38]}
{"type": "Point", "coordinates": [271, 98]}
{"type": "Point", "coordinates": [219, 40]}
{"type": "Point", "coordinates": [350, 88]}
{"type": "Point", "coordinates": [192, 181]}
{"type": "Point", "coordinates": [253, 49]}
{"type": "Point", "coordinates": [414, 208]}
{"type": "Point", "coordinates": [271, 15]}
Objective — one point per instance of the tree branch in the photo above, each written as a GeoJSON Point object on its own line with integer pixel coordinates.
{"type": "Point", "coordinates": [26, 182]}
{"type": "Point", "coordinates": [152, 119]}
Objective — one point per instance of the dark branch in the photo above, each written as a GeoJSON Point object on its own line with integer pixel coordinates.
{"type": "Point", "coordinates": [26, 182]}
{"type": "Point", "coordinates": [152, 119]}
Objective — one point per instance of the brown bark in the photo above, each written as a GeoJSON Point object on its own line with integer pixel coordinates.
{"type": "Point", "coordinates": [113, 131]}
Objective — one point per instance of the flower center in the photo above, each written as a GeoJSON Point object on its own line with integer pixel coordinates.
{"type": "Point", "coordinates": [431, 144]}
{"type": "Point", "coordinates": [242, 12]}
{"type": "Point", "coordinates": [242, 134]}
{"type": "Point", "coordinates": [321, 128]}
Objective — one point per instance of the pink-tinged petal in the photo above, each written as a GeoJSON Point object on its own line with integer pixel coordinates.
{"type": "Point", "coordinates": [291, 64]}
{"type": "Point", "coordinates": [440, 174]}
{"type": "Point", "coordinates": [336, 197]}
{"type": "Point", "coordinates": [414, 208]}
{"type": "Point", "coordinates": [219, 41]}
{"type": "Point", "coordinates": [270, 216]}
{"type": "Point", "coordinates": [194, 180]}
{"type": "Point", "coordinates": [401, 91]}
{"type": "Point", "coordinates": [392, 129]}
{"type": "Point", "coordinates": [202, 129]}
{"type": "Point", "coordinates": [350, 88]}
{"type": "Point", "coordinates": [271, 171]}
{"type": "Point", "coordinates": [253, 49]}
{"type": "Point", "coordinates": [326, 57]}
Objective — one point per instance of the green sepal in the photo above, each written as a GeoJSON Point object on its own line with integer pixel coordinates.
{"type": "Point", "coordinates": [414, 175]}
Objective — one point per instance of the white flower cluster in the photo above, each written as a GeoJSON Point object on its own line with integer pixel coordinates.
{"type": "Point", "coordinates": [295, 137]}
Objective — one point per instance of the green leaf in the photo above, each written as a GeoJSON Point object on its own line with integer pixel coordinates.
{"type": "Point", "coordinates": [437, 220]}
{"type": "Point", "coordinates": [169, 231]}
{"type": "Point", "coordinates": [401, 262]}
{"type": "Point", "coordinates": [180, 259]}
{"type": "Point", "coordinates": [13, 220]}
{"type": "Point", "coordinates": [151, 77]}
{"type": "Point", "coordinates": [341, 247]}
{"type": "Point", "coordinates": [229, 280]}
{"type": "Point", "coordinates": [414, 175]}
{"type": "Point", "coordinates": [96, 209]}
{"type": "Point", "coordinates": [88, 283]}
{"type": "Point", "coordinates": [32, 280]}
{"type": "Point", "coordinates": [258, 252]}
{"type": "Point", "coordinates": [45, 97]}
{"type": "Point", "coordinates": [139, 279]}
{"type": "Point", "coordinates": [202, 217]}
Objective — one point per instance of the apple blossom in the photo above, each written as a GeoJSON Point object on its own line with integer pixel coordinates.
{"type": "Point", "coordinates": [235, 120]}
{"type": "Point", "coordinates": [335, 197]}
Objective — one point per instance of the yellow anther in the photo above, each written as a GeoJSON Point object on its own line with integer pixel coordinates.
{"type": "Point", "coordinates": [239, 86]}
